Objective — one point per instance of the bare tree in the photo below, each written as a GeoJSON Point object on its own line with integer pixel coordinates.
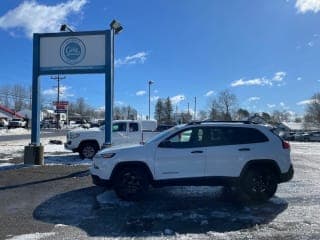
{"type": "Point", "coordinates": [242, 114]}
{"type": "Point", "coordinates": [202, 115]}
{"type": "Point", "coordinates": [312, 116]}
{"type": "Point", "coordinates": [223, 107]}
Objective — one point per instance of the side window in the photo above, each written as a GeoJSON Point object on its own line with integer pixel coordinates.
{"type": "Point", "coordinates": [119, 127]}
{"type": "Point", "coordinates": [218, 136]}
{"type": "Point", "coordinates": [250, 135]}
{"type": "Point", "coordinates": [188, 138]}
{"type": "Point", "coordinates": [133, 127]}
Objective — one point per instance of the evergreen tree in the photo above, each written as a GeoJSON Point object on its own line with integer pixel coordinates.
{"type": "Point", "coordinates": [168, 111]}
{"type": "Point", "coordinates": [159, 111]}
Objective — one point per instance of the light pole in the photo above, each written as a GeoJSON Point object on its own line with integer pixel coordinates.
{"type": "Point", "coordinates": [195, 108]}
{"type": "Point", "coordinates": [115, 28]}
{"type": "Point", "coordinates": [149, 84]}
{"type": "Point", "coordinates": [58, 78]}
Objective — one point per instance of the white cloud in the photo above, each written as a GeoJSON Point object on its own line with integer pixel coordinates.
{"type": "Point", "coordinates": [304, 6]}
{"type": "Point", "coordinates": [310, 44]}
{"type": "Point", "coordinates": [64, 92]}
{"type": "Point", "coordinates": [282, 104]}
{"type": "Point", "coordinates": [119, 103]}
{"type": "Point", "coordinates": [32, 17]}
{"type": "Point", "coordinates": [299, 78]}
{"type": "Point", "coordinates": [209, 93]}
{"type": "Point", "coordinates": [176, 99]}
{"type": "Point", "coordinates": [308, 101]}
{"type": "Point", "coordinates": [139, 57]}
{"type": "Point", "coordinates": [277, 79]}
{"type": "Point", "coordinates": [253, 99]}
{"type": "Point", "coordinates": [271, 105]}
{"type": "Point", "coordinates": [279, 76]}
{"type": "Point", "coordinates": [154, 98]}
{"type": "Point", "coordinates": [141, 93]}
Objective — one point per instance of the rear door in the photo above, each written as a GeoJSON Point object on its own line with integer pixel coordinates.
{"type": "Point", "coordinates": [229, 148]}
{"type": "Point", "coordinates": [182, 155]}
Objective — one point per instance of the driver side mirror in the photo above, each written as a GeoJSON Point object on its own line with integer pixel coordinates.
{"type": "Point", "coordinates": [165, 144]}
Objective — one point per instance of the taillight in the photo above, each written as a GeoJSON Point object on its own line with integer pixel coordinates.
{"type": "Point", "coordinates": [285, 145]}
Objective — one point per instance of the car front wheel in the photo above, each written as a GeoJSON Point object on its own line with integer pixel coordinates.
{"type": "Point", "coordinates": [88, 150]}
{"type": "Point", "coordinates": [131, 183]}
{"type": "Point", "coordinates": [259, 184]}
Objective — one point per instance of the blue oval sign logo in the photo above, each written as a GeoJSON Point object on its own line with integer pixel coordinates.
{"type": "Point", "coordinates": [72, 51]}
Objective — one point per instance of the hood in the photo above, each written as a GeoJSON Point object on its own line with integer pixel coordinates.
{"type": "Point", "coordinates": [121, 148]}
{"type": "Point", "coordinates": [85, 130]}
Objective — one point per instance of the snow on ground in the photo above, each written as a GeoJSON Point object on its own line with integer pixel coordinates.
{"type": "Point", "coordinates": [14, 131]}
{"type": "Point", "coordinates": [11, 153]}
{"type": "Point", "coordinates": [32, 236]}
{"type": "Point", "coordinates": [190, 212]}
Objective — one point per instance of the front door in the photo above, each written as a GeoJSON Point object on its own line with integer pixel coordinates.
{"type": "Point", "coordinates": [182, 155]}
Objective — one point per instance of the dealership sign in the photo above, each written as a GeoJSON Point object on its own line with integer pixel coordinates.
{"type": "Point", "coordinates": [72, 52]}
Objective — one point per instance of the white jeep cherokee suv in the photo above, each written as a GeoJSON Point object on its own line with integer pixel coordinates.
{"type": "Point", "coordinates": [242, 155]}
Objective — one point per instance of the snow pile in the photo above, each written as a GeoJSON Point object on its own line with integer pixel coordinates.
{"type": "Point", "coordinates": [14, 131]}
{"type": "Point", "coordinates": [54, 154]}
{"type": "Point", "coordinates": [32, 236]}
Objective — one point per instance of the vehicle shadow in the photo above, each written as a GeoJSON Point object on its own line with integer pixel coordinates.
{"type": "Point", "coordinates": [164, 211]}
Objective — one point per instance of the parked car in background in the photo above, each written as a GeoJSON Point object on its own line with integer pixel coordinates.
{"type": "Point", "coordinates": [247, 157]}
{"type": "Point", "coordinates": [3, 123]}
{"type": "Point", "coordinates": [89, 141]}
{"type": "Point", "coordinates": [313, 137]}
{"type": "Point", "coordinates": [163, 127]}
{"type": "Point", "coordinates": [82, 123]}
{"type": "Point", "coordinates": [17, 123]}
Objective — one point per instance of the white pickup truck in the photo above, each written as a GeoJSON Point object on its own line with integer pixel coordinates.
{"type": "Point", "coordinates": [124, 132]}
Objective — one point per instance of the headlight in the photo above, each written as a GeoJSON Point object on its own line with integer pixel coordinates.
{"type": "Point", "coordinates": [74, 135]}
{"type": "Point", "coordinates": [108, 155]}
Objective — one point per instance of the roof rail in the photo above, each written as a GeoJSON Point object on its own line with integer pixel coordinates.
{"type": "Point", "coordinates": [217, 121]}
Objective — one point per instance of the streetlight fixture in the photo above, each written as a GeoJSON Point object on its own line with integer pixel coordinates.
{"type": "Point", "coordinates": [65, 28]}
{"type": "Point", "coordinates": [116, 26]}
{"type": "Point", "coordinates": [149, 83]}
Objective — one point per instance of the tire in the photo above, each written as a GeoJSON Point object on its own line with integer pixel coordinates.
{"type": "Point", "coordinates": [259, 184]}
{"type": "Point", "coordinates": [88, 150]}
{"type": "Point", "coordinates": [131, 184]}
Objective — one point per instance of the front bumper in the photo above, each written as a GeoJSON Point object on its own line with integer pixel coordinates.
{"type": "Point", "coordinates": [287, 176]}
{"type": "Point", "coordinates": [67, 145]}
{"type": "Point", "coordinates": [96, 180]}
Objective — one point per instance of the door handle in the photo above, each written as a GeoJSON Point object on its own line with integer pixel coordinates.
{"type": "Point", "coordinates": [197, 152]}
{"type": "Point", "coordinates": [244, 149]}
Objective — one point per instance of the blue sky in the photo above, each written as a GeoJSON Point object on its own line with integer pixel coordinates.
{"type": "Point", "coordinates": [266, 52]}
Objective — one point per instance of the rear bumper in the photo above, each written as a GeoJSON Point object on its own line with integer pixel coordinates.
{"type": "Point", "coordinates": [100, 182]}
{"type": "Point", "coordinates": [287, 176]}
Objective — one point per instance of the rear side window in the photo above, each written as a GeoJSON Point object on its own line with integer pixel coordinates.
{"type": "Point", "coordinates": [119, 127]}
{"type": "Point", "coordinates": [218, 136]}
{"type": "Point", "coordinates": [133, 127]}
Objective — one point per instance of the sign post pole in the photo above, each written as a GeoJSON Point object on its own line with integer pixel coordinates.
{"type": "Point", "coordinates": [33, 154]}
{"type": "Point", "coordinates": [109, 87]}
{"type": "Point", "coordinates": [70, 53]}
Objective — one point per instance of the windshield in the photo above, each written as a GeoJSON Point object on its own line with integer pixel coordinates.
{"type": "Point", "coordinates": [163, 134]}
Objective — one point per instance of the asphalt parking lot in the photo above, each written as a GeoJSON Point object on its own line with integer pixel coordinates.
{"type": "Point", "coordinates": [60, 202]}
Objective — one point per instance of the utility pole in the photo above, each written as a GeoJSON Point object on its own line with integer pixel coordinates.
{"type": "Point", "coordinates": [58, 78]}
{"type": "Point", "coordinates": [188, 108]}
{"type": "Point", "coordinates": [195, 108]}
{"type": "Point", "coordinates": [149, 83]}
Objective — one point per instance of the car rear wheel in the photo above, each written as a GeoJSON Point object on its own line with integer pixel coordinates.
{"type": "Point", "coordinates": [259, 184]}
{"type": "Point", "coordinates": [131, 184]}
{"type": "Point", "coordinates": [88, 150]}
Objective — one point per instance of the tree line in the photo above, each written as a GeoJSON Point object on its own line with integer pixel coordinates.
{"type": "Point", "coordinates": [224, 106]}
